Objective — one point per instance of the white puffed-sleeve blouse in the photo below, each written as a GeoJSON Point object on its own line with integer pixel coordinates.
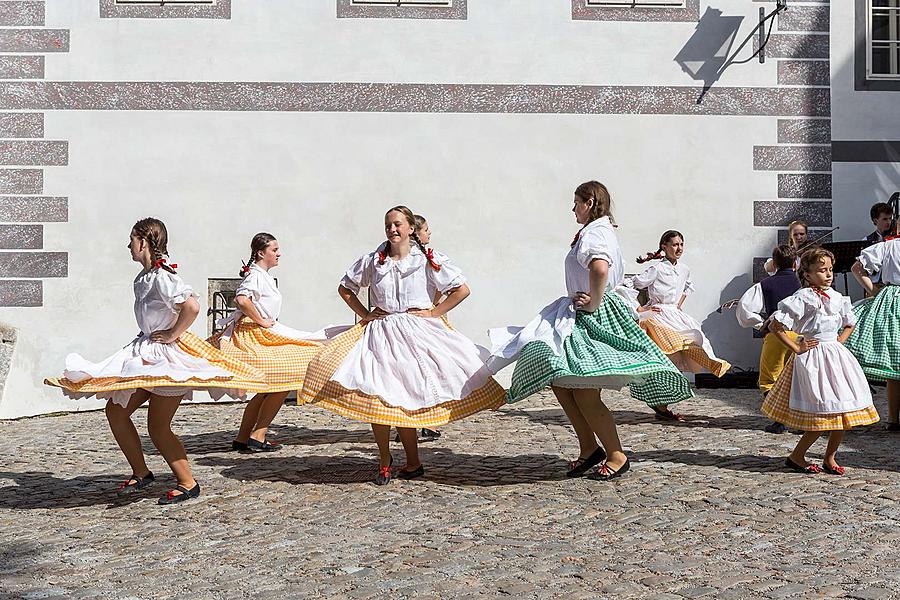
{"type": "Point", "coordinates": [809, 314]}
{"type": "Point", "coordinates": [156, 294]}
{"type": "Point", "coordinates": [884, 258]}
{"type": "Point", "coordinates": [596, 240]}
{"type": "Point", "coordinates": [665, 283]}
{"type": "Point", "coordinates": [260, 287]}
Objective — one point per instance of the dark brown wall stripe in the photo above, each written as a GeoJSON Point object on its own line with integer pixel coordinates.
{"type": "Point", "coordinates": [792, 158]}
{"type": "Point", "coordinates": [27, 152]}
{"type": "Point", "coordinates": [804, 131]}
{"type": "Point", "coordinates": [34, 40]}
{"type": "Point", "coordinates": [21, 293]}
{"type": "Point", "coordinates": [806, 185]}
{"type": "Point", "coordinates": [21, 125]}
{"type": "Point", "coordinates": [778, 213]}
{"type": "Point", "coordinates": [690, 12]}
{"type": "Point", "coordinates": [21, 67]}
{"type": "Point", "coordinates": [22, 13]}
{"type": "Point", "coordinates": [21, 181]}
{"type": "Point", "coordinates": [31, 209]}
{"type": "Point", "coordinates": [795, 45]}
{"type": "Point", "coordinates": [414, 98]}
{"type": "Point", "coordinates": [804, 72]}
{"type": "Point", "coordinates": [34, 264]}
{"type": "Point", "coordinates": [805, 18]}
{"type": "Point", "coordinates": [158, 9]}
{"type": "Point", "coordinates": [347, 10]}
{"type": "Point", "coordinates": [21, 237]}
{"type": "Point", "coordinates": [866, 151]}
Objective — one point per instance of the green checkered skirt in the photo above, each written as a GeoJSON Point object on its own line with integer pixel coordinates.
{"type": "Point", "coordinates": [876, 340]}
{"type": "Point", "coordinates": [607, 349]}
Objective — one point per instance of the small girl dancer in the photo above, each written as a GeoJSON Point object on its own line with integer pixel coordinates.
{"type": "Point", "coordinates": [253, 335]}
{"type": "Point", "coordinates": [402, 366]}
{"type": "Point", "coordinates": [678, 335]}
{"type": "Point", "coordinates": [424, 233]}
{"type": "Point", "coordinates": [823, 387]}
{"type": "Point", "coordinates": [160, 366]}
{"type": "Point", "coordinates": [876, 340]}
{"type": "Point", "coordinates": [588, 340]}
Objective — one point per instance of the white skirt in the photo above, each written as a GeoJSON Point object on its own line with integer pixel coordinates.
{"type": "Point", "coordinates": [674, 318]}
{"type": "Point", "coordinates": [413, 363]}
{"type": "Point", "coordinates": [552, 326]}
{"type": "Point", "coordinates": [828, 379]}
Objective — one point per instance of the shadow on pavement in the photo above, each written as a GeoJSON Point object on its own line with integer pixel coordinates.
{"type": "Point", "coordinates": [40, 489]}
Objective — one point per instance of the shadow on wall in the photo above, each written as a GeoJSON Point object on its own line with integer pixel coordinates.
{"type": "Point", "coordinates": [706, 54]}
{"type": "Point", "coordinates": [731, 341]}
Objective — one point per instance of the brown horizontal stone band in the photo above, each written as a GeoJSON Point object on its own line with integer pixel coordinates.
{"type": "Point", "coordinates": [22, 13]}
{"type": "Point", "coordinates": [33, 209]}
{"type": "Point", "coordinates": [795, 45]}
{"type": "Point", "coordinates": [347, 10]}
{"type": "Point", "coordinates": [804, 185]}
{"type": "Point", "coordinates": [34, 264]}
{"type": "Point", "coordinates": [804, 72]}
{"type": "Point", "coordinates": [690, 12]}
{"type": "Point", "coordinates": [21, 125]}
{"type": "Point", "coordinates": [413, 98]}
{"type": "Point", "coordinates": [21, 237]}
{"type": "Point", "coordinates": [804, 131]}
{"type": "Point", "coordinates": [34, 40]}
{"type": "Point", "coordinates": [28, 152]}
{"type": "Point", "coordinates": [21, 293]}
{"type": "Point", "coordinates": [805, 18]}
{"type": "Point", "coordinates": [21, 181]}
{"type": "Point", "coordinates": [866, 151]}
{"type": "Point", "coordinates": [792, 158]}
{"type": "Point", "coordinates": [110, 9]}
{"type": "Point", "coordinates": [21, 67]}
{"type": "Point", "coordinates": [778, 213]}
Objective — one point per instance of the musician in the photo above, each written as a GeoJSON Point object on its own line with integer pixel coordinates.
{"type": "Point", "coordinates": [798, 242]}
{"type": "Point", "coordinates": [882, 215]}
{"type": "Point", "coordinates": [754, 309]}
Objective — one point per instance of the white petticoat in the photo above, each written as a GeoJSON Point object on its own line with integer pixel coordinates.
{"type": "Point", "coordinates": [321, 335]}
{"type": "Point", "coordinates": [413, 363]}
{"type": "Point", "coordinates": [674, 318]}
{"type": "Point", "coordinates": [828, 379]}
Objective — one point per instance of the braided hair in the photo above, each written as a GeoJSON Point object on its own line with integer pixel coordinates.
{"type": "Point", "coordinates": [153, 231]}
{"type": "Point", "coordinates": [596, 192]}
{"type": "Point", "coordinates": [258, 244]}
{"type": "Point", "coordinates": [411, 219]}
{"type": "Point", "coordinates": [668, 235]}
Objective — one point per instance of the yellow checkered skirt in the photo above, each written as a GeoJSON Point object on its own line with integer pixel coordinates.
{"type": "Point", "coordinates": [683, 351]}
{"type": "Point", "coordinates": [282, 359]}
{"type": "Point", "coordinates": [777, 407]}
{"type": "Point", "coordinates": [320, 389]}
{"type": "Point", "coordinates": [244, 377]}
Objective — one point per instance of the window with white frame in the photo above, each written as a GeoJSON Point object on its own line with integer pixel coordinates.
{"type": "Point", "coordinates": [174, 9]}
{"type": "Point", "coordinates": [164, 2]}
{"type": "Point", "coordinates": [883, 39]}
{"type": "Point", "coordinates": [638, 3]}
{"type": "Point", "coordinates": [403, 2]}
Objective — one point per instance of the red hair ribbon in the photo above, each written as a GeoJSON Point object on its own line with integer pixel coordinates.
{"type": "Point", "coordinates": [575, 239]}
{"type": "Point", "coordinates": [381, 257]}
{"type": "Point", "coordinates": [245, 269]}
{"type": "Point", "coordinates": [431, 261]}
{"type": "Point", "coordinates": [160, 262]}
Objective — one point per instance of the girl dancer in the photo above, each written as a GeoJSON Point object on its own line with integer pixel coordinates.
{"type": "Point", "coordinates": [424, 233]}
{"type": "Point", "coordinates": [876, 340]}
{"type": "Point", "coordinates": [402, 366]}
{"type": "Point", "coordinates": [823, 387]}
{"type": "Point", "coordinates": [668, 283]}
{"type": "Point", "coordinates": [159, 366]}
{"type": "Point", "coordinates": [253, 335]}
{"type": "Point", "coordinates": [588, 340]}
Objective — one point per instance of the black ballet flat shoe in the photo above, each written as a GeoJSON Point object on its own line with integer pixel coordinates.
{"type": "Point", "coordinates": [186, 494]}
{"type": "Point", "coordinates": [417, 472]}
{"type": "Point", "coordinates": [775, 427]}
{"type": "Point", "coordinates": [578, 468]}
{"type": "Point", "coordinates": [239, 446]}
{"type": "Point", "coordinates": [666, 414]}
{"type": "Point", "coordinates": [266, 446]}
{"type": "Point", "coordinates": [428, 435]}
{"type": "Point", "coordinates": [135, 483]}
{"type": "Point", "coordinates": [892, 427]}
{"type": "Point", "coordinates": [606, 473]}
{"type": "Point", "coordinates": [384, 476]}
{"type": "Point", "coordinates": [809, 469]}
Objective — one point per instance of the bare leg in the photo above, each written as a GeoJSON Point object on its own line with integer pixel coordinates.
{"type": "Point", "coordinates": [383, 439]}
{"type": "Point", "coordinates": [602, 422]}
{"type": "Point", "coordinates": [834, 440]}
{"type": "Point", "coordinates": [251, 416]}
{"type": "Point", "coordinates": [411, 446]}
{"type": "Point", "coordinates": [270, 407]}
{"type": "Point", "coordinates": [893, 394]}
{"type": "Point", "coordinates": [587, 441]}
{"type": "Point", "coordinates": [125, 433]}
{"type": "Point", "coordinates": [798, 456]}
{"type": "Point", "coordinates": [159, 423]}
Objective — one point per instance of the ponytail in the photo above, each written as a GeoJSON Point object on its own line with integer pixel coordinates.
{"type": "Point", "coordinates": [258, 244]}
{"type": "Point", "coordinates": [663, 240]}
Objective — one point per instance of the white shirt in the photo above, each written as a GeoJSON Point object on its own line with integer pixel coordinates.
{"type": "Point", "coordinates": [665, 283]}
{"type": "Point", "coordinates": [809, 314]}
{"type": "Point", "coordinates": [260, 287]}
{"type": "Point", "coordinates": [399, 286]}
{"type": "Point", "coordinates": [883, 258]}
{"type": "Point", "coordinates": [156, 294]}
{"type": "Point", "coordinates": [596, 240]}
{"type": "Point", "coordinates": [750, 307]}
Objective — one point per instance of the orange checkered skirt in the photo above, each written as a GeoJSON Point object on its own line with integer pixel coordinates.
{"type": "Point", "coordinates": [320, 389]}
{"type": "Point", "coordinates": [683, 351]}
{"type": "Point", "coordinates": [283, 359]}
{"type": "Point", "coordinates": [777, 407]}
{"type": "Point", "coordinates": [228, 374]}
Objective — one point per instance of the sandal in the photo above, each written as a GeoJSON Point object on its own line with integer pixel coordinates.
{"type": "Point", "coordinates": [264, 446]}
{"type": "Point", "coordinates": [384, 474]}
{"type": "Point", "coordinates": [605, 472]}
{"type": "Point", "coordinates": [186, 494]}
{"type": "Point", "coordinates": [809, 469]}
{"type": "Point", "coordinates": [666, 414]}
{"type": "Point", "coordinates": [139, 483]}
{"type": "Point", "coordinates": [836, 470]}
{"type": "Point", "coordinates": [579, 467]}
{"type": "Point", "coordinates": [417, 472]}
{"type": "Point", "coordinates": [239, 446]}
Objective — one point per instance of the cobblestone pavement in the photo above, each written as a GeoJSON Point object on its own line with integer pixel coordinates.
{"type": "Point", "coordinates": [707, 511]}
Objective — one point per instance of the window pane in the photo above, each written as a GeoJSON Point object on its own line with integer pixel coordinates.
{"type": "Point", "coordinates": [881, 59]}
{"type": "Point", "coordinates": [885, 3]}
